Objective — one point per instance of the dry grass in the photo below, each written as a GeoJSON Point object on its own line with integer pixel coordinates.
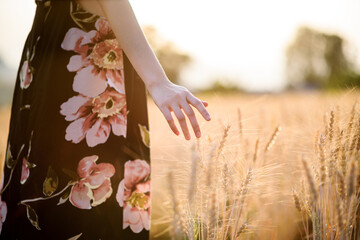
{"type": "Point", "coordinates": [331, 204]}
{"type": "Point", "coordinates": [242, 178]}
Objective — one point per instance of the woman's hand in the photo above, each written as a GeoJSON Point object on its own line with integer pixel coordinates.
{"type": "Point", "coordinates": [167, 96]}
{"type": "Point", "coordinates": [170, 97]}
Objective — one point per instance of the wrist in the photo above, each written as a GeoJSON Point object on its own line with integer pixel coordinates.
{"type": "Point", "coordinates": [152, 82]}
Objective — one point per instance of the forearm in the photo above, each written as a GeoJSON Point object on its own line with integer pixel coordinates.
{"type": "Point", "coordinates": [126, 28]}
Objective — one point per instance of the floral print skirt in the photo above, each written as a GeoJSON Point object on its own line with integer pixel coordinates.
{"type": "Point", "coordinates": [77, 162]}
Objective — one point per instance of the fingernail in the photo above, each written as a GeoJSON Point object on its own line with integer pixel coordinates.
{"type": "Point", "coordinates": [198, 134]}
{"type": "Point", "coordinates": [208, 117]}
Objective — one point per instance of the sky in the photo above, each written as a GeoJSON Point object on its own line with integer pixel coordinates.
{"type": "Point", "coordinates": [243, 41]}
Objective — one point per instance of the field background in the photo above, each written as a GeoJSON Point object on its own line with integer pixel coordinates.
{"type": "Point", "coordinates": [300, 116]}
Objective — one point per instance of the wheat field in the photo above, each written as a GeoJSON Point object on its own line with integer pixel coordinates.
{"type": "Point", "coordinates": [268, 166]}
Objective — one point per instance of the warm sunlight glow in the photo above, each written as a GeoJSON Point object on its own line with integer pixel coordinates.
{"type": "Point", "coordinates": [243, 41]}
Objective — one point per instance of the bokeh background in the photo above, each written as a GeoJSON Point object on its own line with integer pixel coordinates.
{"type": "Point", "coordinates": [260, 64]}
{"type": "Point", "coordinates": [240, 43]}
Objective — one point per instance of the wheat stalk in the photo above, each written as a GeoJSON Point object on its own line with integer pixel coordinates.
{"type": "Point", "coordinates": [272, 139]}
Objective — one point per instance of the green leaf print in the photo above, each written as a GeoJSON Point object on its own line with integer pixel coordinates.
{"type": "Point", "coordinates": [75, 237]}
{"type": "Point", "coordinates": [145, 135]}
{"type": "Point", "coordinates": [81, 16]}
{"type": "Point", "coordinates": [10, 162]}
{"type": "Point", "coordinates": [51, 182]}
{"type": "Point", "coordinates": [32, 216]}
{"type": "Point", "coordinates": [71, 174]}
{"type": "Point", "coordinates": [65, 196]}
{"type": "Point", "coordinates": [33, 49]}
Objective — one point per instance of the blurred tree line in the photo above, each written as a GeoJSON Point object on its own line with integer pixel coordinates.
{"type": "Point", "coordinates": [222, 84]}
{"type": "Point", "coordinates": [172, 59]}
{"type": "Point", "coordinates": [6, 83]}
{"type": "Point", "coordinates": [317, 60]}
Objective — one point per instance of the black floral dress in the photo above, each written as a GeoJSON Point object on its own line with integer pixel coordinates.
{"type": "Point", "coordinates": [77, 160]}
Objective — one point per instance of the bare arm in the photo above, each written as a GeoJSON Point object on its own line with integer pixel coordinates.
{"type": "Point", "coordinates": [167, 96]}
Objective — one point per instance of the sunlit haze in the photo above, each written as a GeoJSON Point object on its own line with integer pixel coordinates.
{"type": "Point", "coordinates": [242, 41]}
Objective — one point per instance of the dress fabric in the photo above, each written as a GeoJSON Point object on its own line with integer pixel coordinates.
{"type": "Point", "coordinates": [77, 162]}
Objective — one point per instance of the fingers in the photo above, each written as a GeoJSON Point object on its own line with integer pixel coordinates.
{"type": "Point", "coordinates": [183, 104]}
{"type": "Point", "coordinates": [170, 120]}
{"type": "Point", "coordinates": [182, 121]}
{"type": "Point", "coordinates": [191, 115]}
{"type": "Point", "coordinates": [199, 106]}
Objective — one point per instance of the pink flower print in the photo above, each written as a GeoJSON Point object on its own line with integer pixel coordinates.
{"type": "Point", "coordinates": [94, 186]}
{"type": "Point", "coordinates": [3, 206]}
{"type": "Point", "coordinates": [3, 212]}
{"type": "Point", "coordinates": [99, 62]}
{"type": "Point", "coordinates": [93, 118]}
{"type": "Point", "coordinates": [25, 75]}
{"type": "Point", "coordinates": [25, 172]}
{"type": "Point", "coordinates": [134, 195]}
{"type": "Point", "coordinates": [26, 165]}
{"type": "Point", "coordinates": [2, 182]}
